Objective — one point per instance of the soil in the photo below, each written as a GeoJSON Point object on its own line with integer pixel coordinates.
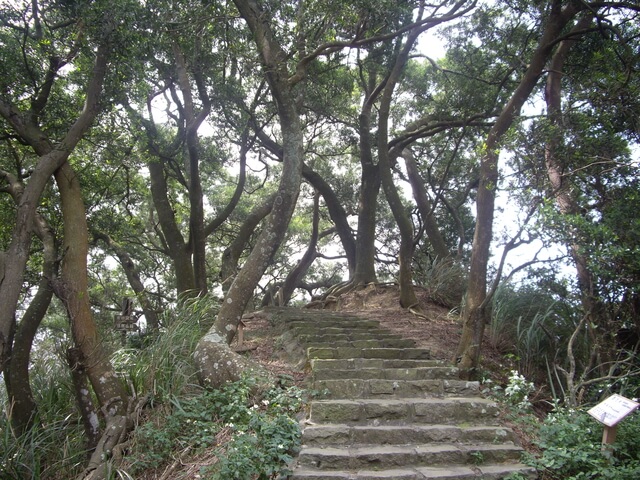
{"type": "Point", "coordinates": [437, 328]}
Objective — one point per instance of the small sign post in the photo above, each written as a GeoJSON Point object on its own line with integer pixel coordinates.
{"type": "Point", "coordinates": [610, 412]}
{"type": "Point", "coordinates": [126, 322]}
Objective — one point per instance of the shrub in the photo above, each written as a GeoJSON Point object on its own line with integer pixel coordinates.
{"type": "Point", "coordinates": [570, 441]}
{"type": "Point", "coordinates": [251, 437]}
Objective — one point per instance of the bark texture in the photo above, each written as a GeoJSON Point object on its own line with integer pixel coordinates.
{"type": "Point", "coordinates": [73, 290]}
{"type": "Point", "coordinates": [425, 207]}
{"type": "Point", "coordinates": [51, 157]}
{"type": "Point", "coordinates": [476, 309]}
{"type": "Point", "coordinates": [213, 350]}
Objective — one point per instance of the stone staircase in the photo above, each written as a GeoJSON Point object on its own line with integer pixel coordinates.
{"type": "Point", "coordinates": [384, 410]}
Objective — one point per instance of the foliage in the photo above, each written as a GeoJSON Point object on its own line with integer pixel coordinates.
{"type": "Point", "coordinates": [54, 448]}
{"type": "Point", "coordinates": [161, 365]}
{"type": "Point", "coordinates": [571, 448]}
{"type": "Point", "coordinates": [444, 281]}
{"type": "Point", "coordinates": [518, 390]}
{"type": "Point", "coordinates": [252, 436]}
{"type": "Point", "coordinates": [521, 319]}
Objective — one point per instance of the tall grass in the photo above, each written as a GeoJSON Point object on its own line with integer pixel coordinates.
{"type": "Point", "coordinates": [55, 448]}
{"type": "Point", "coordinates": [524, 325]}
{"type": "Point", "coordinates": [165, 366]}
{"type": "Point", "coordinates": [444, 280]}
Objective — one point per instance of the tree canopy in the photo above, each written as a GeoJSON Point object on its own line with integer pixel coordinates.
{"type": "Point", "coordinates": [274, 152]}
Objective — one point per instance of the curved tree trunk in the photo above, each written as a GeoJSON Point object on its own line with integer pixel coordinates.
{"type": "Point", "coordinates": [476, 312]}
{"type": "Point", "coordinates": [216, 363]}
{"type": "Point", "coordinates": [16, 373]}
{"type": "Point", "coordinates": [73, 291]}
{"type": "Point", "coordinates": [405, 257]}
{"type": "Point", "coordinates": [425, 207]}
{"type": "Point", "coordinates": [337, 214]}
{"type": "Point", "coordinates": [297, 274]}
{"type": "Point", "coordinates": [177, 248]}
{"type": "Point", "coordinates": [231, 255]}
{"type": "Point", "coordinates": [16, 369]}
{"type": "Point", "coordinates": [131, 272]}
{"type": "Point", "coordinates": [51, 158]}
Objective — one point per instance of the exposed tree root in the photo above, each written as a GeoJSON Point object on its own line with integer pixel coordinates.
{"type": "Point", "coordinates": [113, 441]}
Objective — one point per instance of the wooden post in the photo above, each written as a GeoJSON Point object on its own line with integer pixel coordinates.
{"type": "Point", "coordinates": [608, 439]}
{"type": "Point", "coordinates": [610, 412]}
{"type": "Point", "coordinates": [240, 333]}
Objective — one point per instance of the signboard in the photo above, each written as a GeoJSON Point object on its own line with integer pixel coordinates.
{"type": "Point", "coordinates": [613, 409]}
{"type": "Point", "coordinates": [126, 322]}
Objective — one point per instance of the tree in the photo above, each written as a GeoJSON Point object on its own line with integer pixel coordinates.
{"type": "Point", "coordinates": [214, 343]}
{"type": "Point", "coordinates": [476, 308]}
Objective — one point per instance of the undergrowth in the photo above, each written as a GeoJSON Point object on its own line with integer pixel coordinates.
{"type": "Point", "coordinates": [229, 433]}
{"type": "Point", "coordinates": [233, 433]}
{"type": "Point", "coordinates": [569, 440]}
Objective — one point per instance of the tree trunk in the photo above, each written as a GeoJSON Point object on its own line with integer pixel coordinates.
{"type": "Point", "coordinates": [567, 203]}
{"type": "Point", "coordinates": [297, 274]}
{"type": "Point", "coordinates": [231, 255]}
{"type": "Point", "coordinates": [73, 291]}
{"type": "Point", "coordinates": [424, 207]}
{"type": "Point", "coordinates": [177, 248]}
{"type": "Point", "coordinates": [193, 119]}
{"type": "Point", "coordinates": [476, 312]}
{"type": "Point", "coordinates": [50, 160]}
{"type": "Point", "coordinates": [216, 363]}
{"type": "Point", "coordinates": [337, 214]}
{"type": "Point", "coordinates": [369, 188]}
{"type": "Point", "coordinates": [17, 370]}
{"type": "Point", "coordinates": [86, 407]}
{"type": "Point", "coordinates": [405, 257]}
{"type": "Point", "coordinates": [135, 282]}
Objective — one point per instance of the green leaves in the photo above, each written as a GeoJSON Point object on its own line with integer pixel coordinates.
{"type": "Point", "coordinates": [252, 437]}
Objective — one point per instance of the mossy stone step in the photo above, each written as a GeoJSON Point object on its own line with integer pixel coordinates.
{"type": "Point", "coordinates": [340, 434]}
{"type": "Point", "coordinates": [449, 411]}
{"type": "Point", "coordinates": [337, 337]}
{"type": "Point", "coordinates": [365, 343]}
{"type": "Point", "coordinates": [341, 323]}
{"type": "Point", "coordinates": [484, 472]}
{"type": "Point", "coordinates": [357, 364]}
{"type": "Point", "coordinates": [359, 388]}
{"type": "Point", "coordinates": [390, 456]}
{"type": "Point", "coordinates": [353, 352]}
{"type": "Point", "coordinates": [416, 373]}
{"type": "Point", "coordinates": [391, 412]}
{"type": "Point", "coordinates": [312, 329]}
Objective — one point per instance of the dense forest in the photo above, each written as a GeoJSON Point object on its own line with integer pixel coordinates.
{"type": "Point", "coordinates": [260, 152]}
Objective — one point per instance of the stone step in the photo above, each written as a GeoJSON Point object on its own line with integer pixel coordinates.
{"type": "Point", "coordinates": [352, 352]}
{"type": "Point", "coordinates": [449, 411]}
{"type": "Point", "coordinates": [359, 388]}
{"type": "Point", "coordinates": [485, 472]}
{"type": "Point", "coordinates": [359, 364]}
{"type": "Point", "coordinates": [489, 472]}
{"type": "Point", "coordinates": [376, 457]}
{"type": "Point", "coordinates": [398, 343]}
{"type": "Point", "coordinates": [340, 434]}
{"type": "Point", "coordinates": [329, 338]}
{"type": "Point", "coordinates": [390, 412]}
{"type": "Point", "coordinates": [332, 322]}
{"type": "Point", "coordinates": [333, 371]}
